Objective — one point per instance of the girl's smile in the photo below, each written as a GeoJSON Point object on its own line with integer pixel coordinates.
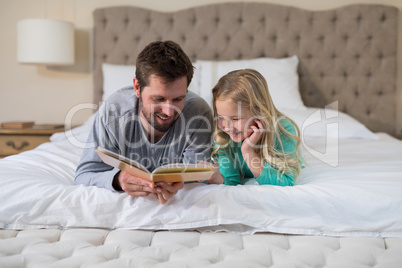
{"type": "Point", "coordinates": [234, 119]}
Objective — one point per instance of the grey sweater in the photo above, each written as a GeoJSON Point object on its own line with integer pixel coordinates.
{"type": "Point", "coordinates": [117, 127]}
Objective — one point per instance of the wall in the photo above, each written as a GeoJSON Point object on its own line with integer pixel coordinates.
{"type": "Point", "coordinates": [47, 94]}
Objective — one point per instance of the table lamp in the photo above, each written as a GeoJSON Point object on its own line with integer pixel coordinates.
{"type": "Point", "coordinates": [45, 41]}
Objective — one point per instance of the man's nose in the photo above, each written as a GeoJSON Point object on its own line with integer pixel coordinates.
{"type": "Point", "coordinates": [168, 109]}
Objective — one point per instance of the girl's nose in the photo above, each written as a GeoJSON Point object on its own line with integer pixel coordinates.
{"type": "Point", "coordinates": [225, 124]}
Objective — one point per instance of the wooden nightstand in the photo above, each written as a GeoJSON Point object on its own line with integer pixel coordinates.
{"type": "Point", "coordinates": [14, 141]}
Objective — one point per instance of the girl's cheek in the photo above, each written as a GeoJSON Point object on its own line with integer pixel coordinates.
{"type": "Point", "coordinates": [221, 126]}
{"type": "Point", "coordinates": [244, 127]}
{"type": "Point", "coordinates": [248, 130]}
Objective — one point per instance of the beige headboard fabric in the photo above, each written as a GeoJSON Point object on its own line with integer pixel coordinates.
{"type": "Point", "coordinates": [346, 54]}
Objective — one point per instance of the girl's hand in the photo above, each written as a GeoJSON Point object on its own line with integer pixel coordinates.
{"type": "Point", "coordinates": [251, 141]}
{"type": "Point", "coordinates": [216, 177]}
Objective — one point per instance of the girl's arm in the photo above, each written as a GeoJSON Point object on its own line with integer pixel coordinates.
{"type": "Point", "coordinates": [225, 173]}
{"type": "Point", "coordinates": [228, 170]}
{"type": "Point", "coordinates": [254, 162]}
{"type": "Point", "coordinates": [270, 175]}
{"type": "Point", "coordinates": [216, 177]}
{"type": "Point", "coordinates": [262, 171]}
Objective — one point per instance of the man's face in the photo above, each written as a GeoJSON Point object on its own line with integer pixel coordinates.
{"type": "Point", "coordinates": [161, 104]}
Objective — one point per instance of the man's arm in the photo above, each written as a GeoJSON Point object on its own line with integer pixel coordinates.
{"type": "Point", "coordinates": [91, 170]}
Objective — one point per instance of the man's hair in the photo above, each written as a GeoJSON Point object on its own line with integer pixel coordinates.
{"type": "Point", "coordinates": [165, 59]}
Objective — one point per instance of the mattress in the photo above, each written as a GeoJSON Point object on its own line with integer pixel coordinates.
{"type": "Point", "coordinates": [135, 248]}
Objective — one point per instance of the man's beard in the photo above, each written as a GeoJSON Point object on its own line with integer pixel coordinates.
{"type": "Point", "coordinates": [152, 120]}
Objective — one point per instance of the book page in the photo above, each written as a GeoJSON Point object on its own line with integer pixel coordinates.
{"type": "Point", "coordinates": [167, 173]}
{"type": "Point", "coordinates": [181, 168]}
{"type": "Point", "coordinates": [123, 159]}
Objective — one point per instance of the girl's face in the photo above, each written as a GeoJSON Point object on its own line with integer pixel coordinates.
{"type": "Point", "coordinates": [234, 120]}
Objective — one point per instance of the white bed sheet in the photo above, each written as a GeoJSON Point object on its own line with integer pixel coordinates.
{"type": "Point", "coordinates": [360, 196]}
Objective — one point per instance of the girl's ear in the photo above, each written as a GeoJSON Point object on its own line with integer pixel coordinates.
{"type": "Point", "coordinates": [136, 86]}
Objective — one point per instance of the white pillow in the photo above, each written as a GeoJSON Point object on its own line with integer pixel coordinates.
{"type": "Point", "coordinates": [281, 76]}
{"type": "Point", "coordinates": [316, 122]}
{"type": "Point", "coordinates": [119, 76]}
{"type": "Point", "coordinates": [116, 77]}
{"type": "Point", "coordinates": [195, 84]}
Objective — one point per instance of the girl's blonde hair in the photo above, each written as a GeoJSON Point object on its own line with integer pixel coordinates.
{"type": "Point", "coordinates": [249, 88]}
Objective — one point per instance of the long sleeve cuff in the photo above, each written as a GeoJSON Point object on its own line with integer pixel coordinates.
{"type": "Point", "coordinates": [102, 179]}
{"type": "Point", "coordinates": [270, 175]}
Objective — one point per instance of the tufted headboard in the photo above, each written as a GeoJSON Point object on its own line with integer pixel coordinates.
{"type": "Point", "coordinates": [346, 54]}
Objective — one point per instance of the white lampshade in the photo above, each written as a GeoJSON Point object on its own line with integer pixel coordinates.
{"type": "Point", "coordinates": [44, 41]}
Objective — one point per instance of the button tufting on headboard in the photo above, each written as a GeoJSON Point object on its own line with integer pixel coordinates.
{"type": "Point", "coordinates": [347, 54]}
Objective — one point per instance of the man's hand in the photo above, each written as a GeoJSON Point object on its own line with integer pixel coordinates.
{"type": "Point", "coordinates": [168, 190]}
{"type": "Point", "coordinates": [133, 185]}
{"type": "Point", "coordinates": [137, 187]}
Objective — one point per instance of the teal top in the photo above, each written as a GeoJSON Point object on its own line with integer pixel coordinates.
{"type": "Point", "coordinates": [235, 170]}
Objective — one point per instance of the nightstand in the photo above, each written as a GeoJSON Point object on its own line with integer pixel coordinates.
{"type": "Point", "coordinates": [14, 141]}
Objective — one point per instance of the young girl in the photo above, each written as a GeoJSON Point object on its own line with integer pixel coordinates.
{"type": "Point", "coordinates": [252, 138]}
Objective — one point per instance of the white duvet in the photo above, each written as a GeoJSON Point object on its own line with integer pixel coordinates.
{"type": "Point", "coordinates": [357, 192]}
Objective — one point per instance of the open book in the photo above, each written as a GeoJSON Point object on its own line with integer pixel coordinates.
{"type": "Point", "coordinates": [167, 173]}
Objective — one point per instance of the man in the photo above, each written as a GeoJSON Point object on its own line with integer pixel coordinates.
{"type": "Point", "coordinates": [155, 122]}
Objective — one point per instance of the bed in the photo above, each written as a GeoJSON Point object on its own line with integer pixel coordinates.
{"type": "Point", "coordinates": [333, 72]}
